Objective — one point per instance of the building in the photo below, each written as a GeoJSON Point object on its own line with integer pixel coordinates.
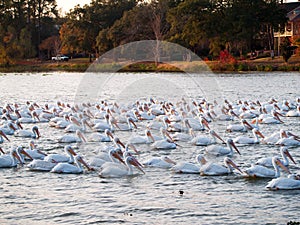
{"type": "Point", "coordinates": [292, 28]}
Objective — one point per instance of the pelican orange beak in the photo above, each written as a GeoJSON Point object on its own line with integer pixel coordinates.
{"type": "Point", "coordinates": [150, 135]}
{"type": "Point", "coordinates": [136, 163]}
{"type": "Point", "coordinates": [71, 150]}
{"type": "Point", "coordinates": [234, 165]}
{"type": "Point", "coordinates": [89, 125]}
{"type": "Point", "coordinates": [109, 133]}
{"type": "Point", "coordinates": [133, 123]}
{"type": "Point", "coordinates": [38, 133]}
{"type": "Point", "coordinates": [35, 115]}
{"type": "Point", "coordinates": [81, 136]}
{"type": "Point", "coordinates": [1, 150]}
{"type": "Point", "coordinates": [85, 164]}
{"type": "Point", "coordinates": [217, 136]}
{"type": "Point", "coordinates": [249, 125]}
{"type": "Point", "coordinates": [15, 154]}
{"type": "Point", "coordinates": [26, 154]}
{"type": "Point", "coordinates": [260, 134]}
{"type": "Point", "coordinates": [75, 121]}
{"type": "Point", "coordinates": [234, 146]}
{"type": "Point", "coordinates": [168, 136]}
{"type": "Point", "coordinates": [290, 157]}
{"type": "Point", "coordinates": [120, 143]}
{"type": "Point", "coordinates": [204, 121]}
{"type": "Point", "coordinates": [19, 125]}
{"type": "Point", "coordinates": [134, 148]}
{"type": "Point", "coordinates": [4, 135]}
{"type": "Point", "coordinates": [279, 163]}
{"type": "Point", "coordinates": [168, 160]}
{"type": "Point", "coordinates": [117, 156]}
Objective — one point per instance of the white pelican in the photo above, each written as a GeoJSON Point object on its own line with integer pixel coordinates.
{"type": "Point", "coordinates": [101, 126]}
{"type": "Point", "coordinates": [34, 133]}
{"type": "Point", "coordinates": [117, 171]}
{"type": "Point", "coordinates": [184, 137]}
{"type": "Point", "coordinates": [76, 125]}
{"type": "Point", "coordinates": [127, 126]}
{"type": "Point", "coordinates": [159, 162]}
{"type": "Point", "coordinates": [156, 125]}
{"type": "Point", "coordinates": [294, 113]}
{"type": "Point", "coordinates": [291, 141]}
{"type": "Point", "coordinates": [41, 165]}
{"type": "Point", "coordinates": [257, 171]}
{"type": "Point", "coordinates": [244, 126]}
{"type": "Point", "coordinates": [64, 167]}
{"type": "Point", "coordinates": [34, 152]}
{"type": "Point", "coordinates": [33, 119]}
{"type": "Point", "coordinates": [273, 119]}
{"type": "Point", "coordinates": [68, 138]}
{"type": "Point", "coordinates": [165, 143]}
{"type": "Point", "coordinates": [202, 140]}
{"type": "Point", "coordinates": [274, 137]}
{"type": "Point", "coordinates": [188, 167]}
{"type": "Point", "coordinates": [106, 137]}
{"type": "Point", "coordinates": [113, 156]}
{"type": "Point", "coordinates": [2, 134]}
{"type": "Point", "coordinates": [218, 150]}
{"type": "Point", "coordinates": [249, 140]}
{"type": "Point", "coordinates": [267, 162]}
{"type": "Point", "coordinates": [68, 157]}
{"type": "Point", "coordinates": [291, 182]}
{"type": "Point", "coordinates": [213, 169]}
{"type": "Point", "coordinates": [11, 160]}
{"type": "Point", "coordinates": [139, 139]}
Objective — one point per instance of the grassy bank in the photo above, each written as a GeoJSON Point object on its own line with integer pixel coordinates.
{"type": "Point", "coordinates": [81, 65]}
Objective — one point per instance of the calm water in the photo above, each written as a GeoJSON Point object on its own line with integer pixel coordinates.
{"type": "Point", "coordinates": [46, 198]}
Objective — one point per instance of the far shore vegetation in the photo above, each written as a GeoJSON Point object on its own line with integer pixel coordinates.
{"type": "Point", "coordinates": [229, 35]}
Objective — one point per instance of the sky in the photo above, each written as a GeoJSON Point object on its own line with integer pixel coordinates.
{"type": "Point", "coordinates": [66, 5]}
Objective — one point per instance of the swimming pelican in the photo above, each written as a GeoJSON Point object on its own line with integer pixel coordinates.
{"type": "Point", "coordinates": [257, 171]}
{"type": "Point", "coordinates": [267, 162]}
{"type": "Point", "coordinates": [213, 169]}
{"type": "Point", "coordinates": [159, 162]}
{"type": "Point", "coordinates": [291, 141]}
{"type": "Point", "coordinates": [188, 167]}
{"type": "Point", "coordinates": [274, 137]}
{"type": "Point", "coordinates": [244, 126]}
{"type": "Point", "coordinates": [273, 119]}
{"type": "Point", "coordinates": [165, 143]}
{"type": "Point", "coordinates": [11, 160]}
{"type": "Point", "coordinates": [97, 137]}
{"type": "Point", "coordinates": [218, 150]}
{"type": "Point", "coordinates": [113, 156]}
{"type": "Point", "coordinates": [34, 152]}
{"type": "Point", "coordinates": [116, 171]}
{"type": "Point", "coordinates": [76, 125]}
{"type": "Point", "coordinates": [34, 133]}
{"type": "Point", "coordinates": [145, 139]}
{"type": "Point", "coordinates": [67, 138]}
{"type": "Point", "coordinates": [205, 140]}
{"type": "Point", "coordinates": [2, 134]}
{"type": "Point", "coordinates": [249, 140]}
{"type": "Point", "coordinates": [64, 167]}
{"type": "Point", "coordinates": [294, 113]}
{"type": "Point", "coordinates": [128, 126]}
{"type": "Point", "coordinates": [291, 182]}
{"type": "Point", "coordinates": [68, 157]}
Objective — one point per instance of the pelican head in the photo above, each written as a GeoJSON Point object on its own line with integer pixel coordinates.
{"type": "Point", "coordinates": [21, 150]}
{"type": "Point", "coordinates": [117, 141]}
{"type": "Point", "coordinates": [4, 135]}
{"type": "Point", "coordinates": [36, 131]}
{"type": "Point", "coordinates": [133, 161]}
{"type": "Point", "coordinates": [257, 132]}
{"type": "Point", "coordinates": [80, 159]}
{"type": "Point", "coordinates": [229, 162]}
{"type": "Point", "coordinates": [277, 161]}
{"type": "Point", "coordinates": [287, 153]}
{"type": "Point", "coordinates": [80, 135]}
{"type": "Point", "coordinates": [230, 142]}
{"type": "Point", "coordinates": [213, 133]}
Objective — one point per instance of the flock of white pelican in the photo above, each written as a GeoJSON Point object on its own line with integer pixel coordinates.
{"type": "Point", "coordinates": [162, 126]}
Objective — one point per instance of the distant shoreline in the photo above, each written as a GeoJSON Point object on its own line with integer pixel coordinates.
{"type": "Point", "coordinates": [81, 65]}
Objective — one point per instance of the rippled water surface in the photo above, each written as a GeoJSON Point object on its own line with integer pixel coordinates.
{"type": "Point", "coordinates": [154, 198]}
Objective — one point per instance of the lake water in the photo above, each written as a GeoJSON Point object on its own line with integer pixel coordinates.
{"type": "Point", "coordinates": [46, 198]}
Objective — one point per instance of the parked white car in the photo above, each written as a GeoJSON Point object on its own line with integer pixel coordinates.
{"type": "Point", "coordinates": [60, 58]}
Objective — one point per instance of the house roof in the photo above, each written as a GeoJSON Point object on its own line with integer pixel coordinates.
{"type": "Point", "coordinates": [290, 6]}
{"type": "Point", "coordinates": [294, 14]}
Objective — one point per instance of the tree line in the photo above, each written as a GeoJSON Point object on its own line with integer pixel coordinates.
{"type": "Point", "coordinates": [34, 28]}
